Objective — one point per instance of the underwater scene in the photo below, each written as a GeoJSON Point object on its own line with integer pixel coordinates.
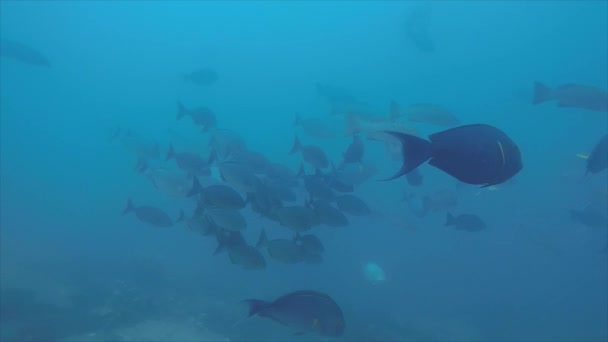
{"type": "Point", "coordinates": [303, 171]}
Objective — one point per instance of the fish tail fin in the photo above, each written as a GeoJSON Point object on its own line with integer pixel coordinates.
{"type": "Point", "coordinates": [256, 306]}
{"type": "Point", "coordinates": [352, 125]}
{"type": "Point", "coordinates": [130, 207]}
{"type": "Point", "coordinates": [170, 153]}
{"type": "Point", "coordinates": [415, 151]}
{"type": "Point", "coordinates": [296, 146]}
{"type": "Point", "coordinates": [181, 110]}
{"type": "Point", "coordinates": [181, 217]}
{"type": "Point", "coordinates": [449, 219]}
{"type": "Point", "coordinates": [542, 93]}
{"type": "Point", "coordinates": [395, 109]}
{"type": "Point", "coordinates": [262, 240]}
{"type": "Point", "coordinates": [219, 248]}
{"type": "Point", "coordinates": [196, 187]}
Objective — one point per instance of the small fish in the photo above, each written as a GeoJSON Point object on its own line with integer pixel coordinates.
{"type": "Point", "coordinates": [474, 154]}
{"type": "Point", "coordinates": [328, 214]}
{"type": "Point", "coordinates": [220, 196]}
{"type": "Point", "coordinates": [304, 311]}
{"type": "Point", "coordinates": [311, 154]}
{"type": "Point", "coordinates": [191, 163]}
{"type": "Point", "coordinates": [352, 205]}
{"type": "Point", "coordinates": [201, 116]}
{"type": "Point", "coordinates": [282, 250]}
{"type": "Point", "coordinates": [226, 218]}
{"type": "Point", "coordinates": [572, 96]}
{"type": "Point", "coordinates": [150, 215]}
{"type": "Point", "coordinates": [431, 114]}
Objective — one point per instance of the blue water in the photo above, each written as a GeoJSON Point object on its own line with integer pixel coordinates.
{"type": "Point", "coordinates": [73, 269]}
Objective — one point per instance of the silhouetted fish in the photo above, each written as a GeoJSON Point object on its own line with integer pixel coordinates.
{"type": "Point", "coordinates": [572, 96]}
{"type": "Point", "coordinates": [304, 311]}
{"type": "Point", "coordinates": [474, 154]}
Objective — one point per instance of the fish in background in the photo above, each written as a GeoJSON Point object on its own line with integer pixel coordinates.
{"type": "Point", "coordinates": [417, 28]}
{"type": "Point", "coordinates": [414, 178]}
{"type": "Point", "coordinates": [428, 113]}
{"type": "Point", "coordinates": [316, 127]}
{"type": "Point", "coordinates": [466, 222]}
{"type": "Point", "coordinates": [239, 252]}
{"type": "Point", "coordinates": [311, 154]}
{"type": "Point", "coordinates": [572, 96]}
{"type": "Point", "coordinates": [201, 77]}
{"type": "Point", "coordinates": [598, 159]}
{"type": "Point", "coordinates": [592, 216]}
{"type": "Point", "coordinates": [201, 116]}
{"type": "Point", "coordinates": [22, 53]}
{"type": "Point", "coordinates": [144, 148]}
{"type": "Point", "coordinates": [303, 311]}
{"type": "Point", "coordinates": [474, 154]}
{"type": "Point", "coordinates": [225, 142]}
{"type": "Point", "coordinates": [354, 152]}
{"type": "Point", "coordinates": [151, 215]}
{"type": "Point", "coordinates": [173, 183]}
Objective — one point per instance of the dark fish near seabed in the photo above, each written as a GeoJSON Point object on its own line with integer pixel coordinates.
{"type": "Point", "coordinates": [598, 159]}
{"type": "Point", "coordinates": [239, 175]}
{"type": "Point", "coordinates": [201, 116]}
{"type": "Point", "coordinates": [255, 161]}
{"type": "Point", "coordinates": [202, 77]}
{"type": "Point", "coordinates": [311, 154]}
{"type": "Point", "coordinates": [572, 96]}
{"type": "Point", "coordinates": [225, 142]}
{"type": "Point", "coordinates": [304, 312]}
{"type": "Point", "coordinates": [239, 252]}
{"type": "Point", "coordinates": [150, 215]}
{"type": "Point", "coordinates": [466, 222]}
{"type": "Point", "coordinates": [474, 154]}
{"type": "Point", "coordinates": [22, 53]}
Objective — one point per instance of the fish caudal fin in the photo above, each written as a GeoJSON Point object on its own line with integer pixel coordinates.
{"type": "Point", "coordinates": [415, 151]}
{"type": "Point", "coordinates": [542, 93]}
{"type": "Point", "coordinates": [449, 219]}
{"type": "Point", "coordinates": [196, 187]}
{"type": "Point", "coordinates": [181, 217]}
{"type": "Point", "coordinates": [296, 146]}
{"type": "Point", "coordinates": [256, 306]}
{"type": "Point", "coordinates": [130, 207]}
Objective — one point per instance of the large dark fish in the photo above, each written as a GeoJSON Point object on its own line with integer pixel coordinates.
{"type": "Point", "coordinates": [598, 159]}
{"type": "Point", "coordinates": [572, 96]}
{"type": "Point", "coordinates": [22, 53]}
{"type": "Point", "coordinates": [474, 154]}
{"type": "Point", "coordinates": [304, 311]}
